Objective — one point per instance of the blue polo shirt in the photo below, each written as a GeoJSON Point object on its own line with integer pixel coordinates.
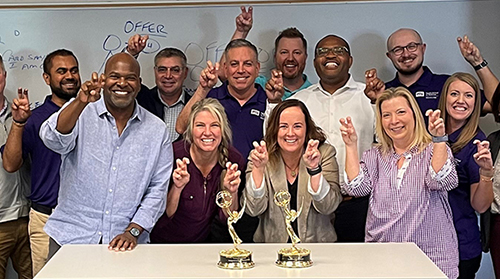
{"type": "Point", "coordinates": [464, 216]}
{"type": "Point", "coordinates": [427, 90]}
{"type": "Point", "coordinates": [45, 163]}
{"type": "Point", "coordinates": [246, 121]}
{"type": "Point", "coordinates": [262, 80]}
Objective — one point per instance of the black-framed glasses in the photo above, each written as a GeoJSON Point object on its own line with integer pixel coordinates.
{"type": "Point", "coordinates": [338, 50]}
{"type": "Point", "coordinates": [411, 47]}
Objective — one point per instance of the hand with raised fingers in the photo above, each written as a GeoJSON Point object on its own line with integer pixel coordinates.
{"type": "Point", "coordinates": [136, 44]}
{"type": "Point", "coordinates": [244, 20]}
{"type": "Point", "coordinates": [436, 123]}
{"type": "Point", "coordinates": [274, 87]}
{"type": "Point", "coordinates": [374, 85]}
{"type": "Point", "coordinates": [469, 51]}
{"type": "Point", "coordinates": [483, 156]}
{"type": "Point", "coordinates": [348, 132]}
{"type": "Point", "coordinates": [208, 76]}
{"type": "Point", "coordinates": [90, 91]}
{"type": "Point", "coordinates": [21, 110]}
{"type": "Point", "coordinates": [259, 155]}
{"type": "Point", "coordinates": [180, 176]}
{"type": "Point", "coordinates": [312, 156]}
{"type": "Point", "coordinates": [232, 178]}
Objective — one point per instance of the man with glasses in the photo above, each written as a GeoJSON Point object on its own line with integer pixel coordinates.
{"type": "Point", "coordinates": [167, 99]}
{"type": "Point", "coordinates": [406, 49]}
{"type": "Point", "coordinates": [337, 95]}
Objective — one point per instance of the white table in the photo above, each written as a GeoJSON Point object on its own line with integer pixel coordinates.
{"type": "Point", "coordinates": [360, 260]}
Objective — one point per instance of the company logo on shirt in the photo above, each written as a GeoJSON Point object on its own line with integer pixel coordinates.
{"type": "Point", "coordinates": [419, 94]}
{"type": "Point", "coordinates": [433, 95]}
{"type": "Point", "coordinates": [258, 113]}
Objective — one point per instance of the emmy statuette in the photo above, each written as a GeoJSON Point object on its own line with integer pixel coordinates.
{"type": "Point", "coordinates": [234, 258]}
{"type": "Point", "coordinates": [293, 257]}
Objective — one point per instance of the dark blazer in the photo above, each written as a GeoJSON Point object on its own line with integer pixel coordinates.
{"type": "Point", "coordinates": [148, 99]}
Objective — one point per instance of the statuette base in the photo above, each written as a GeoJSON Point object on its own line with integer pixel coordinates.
{"type": "Point", "coordinates": [294, 258]}
{"type": "Point", "coordinates": [235, 259]}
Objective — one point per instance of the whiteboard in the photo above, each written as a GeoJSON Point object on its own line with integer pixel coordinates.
{"type": "Point", "coordinates": [27, 35]}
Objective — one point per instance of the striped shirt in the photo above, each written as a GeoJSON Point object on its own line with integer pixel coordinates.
{"type": "Point", "coordinates": [410, 204]}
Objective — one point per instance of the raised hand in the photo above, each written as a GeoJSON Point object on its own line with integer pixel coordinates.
{"type": "Point", "coordinates": [232, 178]}
{"type": "Point", "coordinates": [208, 76]}
{"type": "Point", "coordinates": [311, 156]}
{"type": "Point", "coordinates": [244, 20]}
{"type": "Point", "coordinates": [374, 85]}
{"type": "Point", "coordinates": [259, 155]}
{"type": "Point", "coordinates": [436, 123]}
{"type": "Point", "coordinates": [181, 176]}
{"type": "Point", "coordinates": [274, 87]}
{"type": "Point", "coordinates": [21, 106]}
{"type": "Point", "coordinates": [469, 51]}
{"type": "Point", "coordinates": [483, 156]}
{"type": "Point", "coordinates": [348, 132]}
{"type": "Point", "coordinates": [90, 91]}
{"type": "Point", "coordinates": [136, 44]}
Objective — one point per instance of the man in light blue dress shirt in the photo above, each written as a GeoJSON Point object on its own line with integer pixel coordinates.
{"type": "Point", "coordinates": [116, 162]}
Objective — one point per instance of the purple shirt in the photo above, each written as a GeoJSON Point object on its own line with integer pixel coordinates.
{"type": "Point", "coordinates": [246, 121]}
{"type": "Point", "coordinates": [45, 163]}
{"type": "Point", "coordinates": [197, 208]}
{"type": "Point", "coordinates": [427, 90]}
{"type": "Point", "coordinates": [415, 211]}
{"type": "Point", "coordinates": [464, 216]}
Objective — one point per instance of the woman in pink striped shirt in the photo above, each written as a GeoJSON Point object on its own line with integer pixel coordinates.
{"type": "Point", "coordinates": [407, 176]}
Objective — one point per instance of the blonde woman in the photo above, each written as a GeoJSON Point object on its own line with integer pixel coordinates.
{"type": "Point", "coordinates": [408, 176]}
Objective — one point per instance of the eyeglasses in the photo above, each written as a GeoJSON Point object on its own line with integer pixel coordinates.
{"type": "Point", "coordinates": [176, 70]}
{"type": "Point", "coordinates": [339, 50]}
{"type": "Point", "coordinates": [411, 47]}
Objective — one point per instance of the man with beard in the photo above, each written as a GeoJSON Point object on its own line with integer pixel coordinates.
{"type": "Point", "coordinates": [406, 50]}
{"type": "Point", "coordinates": [116, 162]}
{"type": "Point", "coordinates": [290, 54]}
{"type": "Point", "coordinates": [60, 72]}
{"type": "Point", "coordinates": [167, 99]}
{"type": "Point", "coordinates": [337, 95]}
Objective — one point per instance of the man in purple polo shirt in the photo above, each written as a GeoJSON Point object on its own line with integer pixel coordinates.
{"type": "Point", "coordinates": [60, 72]}
{"type": "Point", "coordinates": [244, 102]}
{"type": "Point", "coordinates": [405, 49]}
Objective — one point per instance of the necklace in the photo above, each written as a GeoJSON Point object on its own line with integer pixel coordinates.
{"type": "Point", "coordinates": [293, 171]}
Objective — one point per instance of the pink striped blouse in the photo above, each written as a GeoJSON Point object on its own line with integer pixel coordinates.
{"type": "Point", "coordinates": [410, 204]}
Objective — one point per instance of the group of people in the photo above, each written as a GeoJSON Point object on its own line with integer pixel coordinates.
{"type": "Point", "coordinates": [111, 161]}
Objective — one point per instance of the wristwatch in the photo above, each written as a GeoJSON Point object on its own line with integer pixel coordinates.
{"type": "Point", "coordinates": [481, 65]}
{"type": "Point", "coordinates": [437, 139]}
{"type": "Point", "coordinates": [134, 232]}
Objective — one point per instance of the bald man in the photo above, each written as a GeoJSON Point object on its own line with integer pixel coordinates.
{"type": "Point", "coordinates": [406, 49]}
{"type": "Point", "coordinates": [116, 162]}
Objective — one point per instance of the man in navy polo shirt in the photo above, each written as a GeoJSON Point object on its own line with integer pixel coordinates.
{"type": "Point", "coordinates": [406, 49]}
{"type": "Point", "coordinates": [60, 72]}
{"type": "Point", "coordinates": [243, 100]}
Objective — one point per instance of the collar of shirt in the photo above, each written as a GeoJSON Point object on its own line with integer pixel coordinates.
{"type": "Point", "coordinates": [181, 99]}
{"type": "Point", "coordinates": [102, 110]}
{"type": "Point", "coordinates": [289, 92]}
{"type": "Point", "coordinates": [424, 80]}
{"type": "Point", "coordinates": [3, 113]}
{"type": "Point", "coordinates": [256, 98]}
{"type": "Point", "coordinates": [350, 84]}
